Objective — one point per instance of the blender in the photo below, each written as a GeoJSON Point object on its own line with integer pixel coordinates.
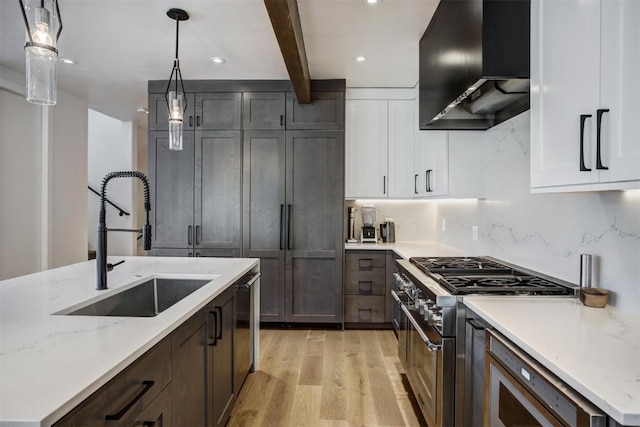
{"type": "Point", "coordinates": [368, 234]}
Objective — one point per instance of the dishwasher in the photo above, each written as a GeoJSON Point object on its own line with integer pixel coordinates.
{"type": "Point", "coordinates": [243, 360]}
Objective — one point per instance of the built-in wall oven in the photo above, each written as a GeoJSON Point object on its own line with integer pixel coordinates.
{"type": "Point", "coordinates": [433, 329]}
{"type": "Point", "coordinates": [521, 392]}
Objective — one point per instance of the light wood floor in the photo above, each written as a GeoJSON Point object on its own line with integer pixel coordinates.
{"type": "Point", "coordinates": [326, 378]}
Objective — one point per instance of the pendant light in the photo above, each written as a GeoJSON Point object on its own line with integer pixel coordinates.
{"type": "Point", "coordinates": [43, 27]}
{"type": "Point", "coordinates": [174, 95]}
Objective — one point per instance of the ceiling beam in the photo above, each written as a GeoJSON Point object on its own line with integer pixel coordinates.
{"type": "Point", "coordinates": [286, 24]}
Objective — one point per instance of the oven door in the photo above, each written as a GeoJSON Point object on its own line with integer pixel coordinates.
{"type": "Point", "coordinates": [430, 371]}
{"type": "Point", "coordinates": [520, 392]}
{"type": "Point", "coordinates": [401, 300]}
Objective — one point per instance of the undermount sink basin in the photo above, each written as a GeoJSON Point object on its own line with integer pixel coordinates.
{"type": "Point", "coordinates": [144, 300]}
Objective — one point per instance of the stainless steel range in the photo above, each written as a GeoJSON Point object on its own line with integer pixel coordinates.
{"type": "Point", "coordinates": [432, 329]}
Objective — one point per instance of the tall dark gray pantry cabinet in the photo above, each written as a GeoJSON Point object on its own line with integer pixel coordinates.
{"type": "Point", "coordinates": [260, 176]}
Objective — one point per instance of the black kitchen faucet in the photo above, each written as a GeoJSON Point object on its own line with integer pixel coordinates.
{"type": "Point", "coordinates": [101, 250]}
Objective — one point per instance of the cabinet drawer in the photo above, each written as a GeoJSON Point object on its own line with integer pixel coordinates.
{"type": "Point", "coordinates": [364, 309]}
{"type": "Point", "coordinates": [371, 282]}
{"type": "Point", "coordinates": [127, 395]}
{"type": "Point", "coordinates": [158, 413]}
{"type": "Point", "coordinates": [364, 261]}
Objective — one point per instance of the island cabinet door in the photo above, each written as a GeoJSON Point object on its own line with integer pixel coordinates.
{"type": "Point", "coordinates": [188, 365]}
{"type": "Point", "coordinates": [220, 373]}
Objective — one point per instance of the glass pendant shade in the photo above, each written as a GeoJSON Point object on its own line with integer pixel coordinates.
{"type": "Point", "coordinates": [43, 27]}
{"type": "Point", "coordinates": [175, 100]}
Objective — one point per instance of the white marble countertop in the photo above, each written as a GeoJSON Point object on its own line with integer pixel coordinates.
{"type": "Point", "coordinates": [50, 363]}
{"type": "Point", "coordinates": [407, 249]}
{"type": "Point", "coordinates": [596, 351]}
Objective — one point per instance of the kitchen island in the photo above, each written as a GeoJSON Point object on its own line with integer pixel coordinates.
{"type": "Point", "coordinates": [596, 351]}
{"type": "Point", "coordinates": [49, 363]}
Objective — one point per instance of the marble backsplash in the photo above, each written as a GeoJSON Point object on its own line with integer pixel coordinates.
{"type": "Point", "coordinates": [544, 232]}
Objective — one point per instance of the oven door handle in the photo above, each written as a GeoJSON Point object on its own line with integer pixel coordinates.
{"type": "Point", "coordinates": [395, 296]}
{"type": "Point", "coordinates": [430, 345]}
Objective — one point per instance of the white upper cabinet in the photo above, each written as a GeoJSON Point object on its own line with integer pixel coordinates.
{"type": "Point", "coordinates": [585, 116]}
{"type": "Point", "coordinates": [431, 164]}
{"type": "Point", "coordinates": [379, 137]}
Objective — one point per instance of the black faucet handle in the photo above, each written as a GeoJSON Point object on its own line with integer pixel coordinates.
{"type": "Point", "coordinates": [110, 266]}
{"type": "Point", "coordinates": [146, 237]}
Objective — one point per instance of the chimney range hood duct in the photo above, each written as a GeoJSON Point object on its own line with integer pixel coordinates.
{"type": "Point", "coordinates": [474, 64]}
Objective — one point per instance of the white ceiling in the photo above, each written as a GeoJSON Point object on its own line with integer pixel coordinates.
{"type": "Point", "coordinates": [121, 44]}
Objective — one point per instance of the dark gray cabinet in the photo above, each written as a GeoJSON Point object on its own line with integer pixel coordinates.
{"type": "Point", "coordinates": [293, 221]}
{"type": "Point", "coordinates": [218, 111]}
{"type": "Point", "coordinates": [263, 110]}
{"type": "Point", "coordinates": [189, 368]}
{"type": "Point", "coordinates": [196, 192]}
{"type": "Point", "coordinates": [326, 111]}
{"type": "Point", "coordinates": [220, 358]}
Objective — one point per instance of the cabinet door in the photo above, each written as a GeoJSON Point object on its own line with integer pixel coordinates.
{"type": "Point", "coordinates": [220, 359]}
{"type": "Point", "coordinates": [565, 76]}
{"type": "Point", "coordinates": [218, 111]}
{"type": "Point", "coordinates": [326, 111]}
{"type": "Point", "coordinates": [264, 207]}
{"type": "Point", "coordinates": [189, 369]}
{"type": "Point", "coordinates": [620, 90]}
{"type": "Point", "coordinates": [431, 164]}
{"type": "Point", "coordinates": [263, 110]}
{"type": "Point", "coordinates": [366, 149]}
{"type": "Point", "coordinates": [171, 176]}
{"type": "Point", "coordinates": [400, 148]}
{"type": "Point", "coordinates": [218, 180]}
{"type": "Point", "coordinates": [159, 115]}
{"type": "Point", "coordinates": [315, 238]}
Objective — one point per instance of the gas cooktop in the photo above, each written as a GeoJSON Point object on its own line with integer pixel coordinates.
{"type": "Point", "coordinates": [478, 275]}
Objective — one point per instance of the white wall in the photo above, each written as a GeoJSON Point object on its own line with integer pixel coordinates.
{"type": "Point", "coordinates": [112, 147]}
{"type": "Point", "coordinates": [49, 164]}
{"type": "Point", "coordinates": [546, 232]}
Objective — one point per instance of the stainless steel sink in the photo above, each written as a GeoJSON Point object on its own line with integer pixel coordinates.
{"type": "Point", "coordinates": [144, 300]}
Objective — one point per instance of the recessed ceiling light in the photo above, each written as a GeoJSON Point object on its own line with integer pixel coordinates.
{"type": "Point", "coordinates": [360, 58]}
{"type": "Point", "coordinates": [216, 60]}
{"type": "Point", "coordinates": [67, 61]}
{"type": "Point", "coordinates": [374, 1]}
{"type": "Point", "coordinates": [142, 110]}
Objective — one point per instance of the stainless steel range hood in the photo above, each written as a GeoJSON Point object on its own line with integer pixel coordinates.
{"type": "Point", "coordinates": [474, 64]}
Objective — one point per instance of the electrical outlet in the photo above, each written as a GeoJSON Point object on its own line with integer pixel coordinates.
{"type": "Point", "coordinates": [474, 233]}
{"type": "Point", "coordinates": [444, 224]}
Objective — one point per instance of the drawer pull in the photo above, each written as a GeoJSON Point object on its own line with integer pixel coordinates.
{"type": "Point", "coordinates": [367, 313]}
{"type": "Point", "coordinates": [365, 264]}
{"type": "Point", "coordinates": [365, 287]}
{"type": "Point", "coordinates": [117, 416]}
{"type": "Point", "coordinates": [149, 424]}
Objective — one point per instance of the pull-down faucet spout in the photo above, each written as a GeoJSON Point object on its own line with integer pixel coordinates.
{"type": "Point", "coordinates": [101, 244]}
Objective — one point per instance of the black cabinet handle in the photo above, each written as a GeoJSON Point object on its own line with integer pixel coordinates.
{"type": "Point", "coordinates": [583, 118]}
{"type": "Point", "coordinates": [198, 255]}
{"type": "Point", "coordinates": [384, 184]}
{"type": "Point", "coordinates": [120, 414]}
{"type": "Point", "coordinates": [415, 184]}
{"type": "Point", "coordinates": [476, 324]}
{"type": "Point", "coordinates": [189, 234]}
{"type": "Point", "coordinates": [281, 227]}
{"type": "Point", "coordinates": [190, 121]}
{"type": "Point", "coordinates": [213, 337]}
{"type": "Point", "coordinates": [289, 233]}
{"type": "Point", "coordinates": [198, 235]}
{"type": "Point", "coordinates": [197, 120]}
{"type": "Point", "coordinates": [428, 179]}
{"type": "Point", "coordinates": [599, 114]}
{"type": "Point", "coordinates": [148, 424]}
{"type": "Point", "coordinates": [281, 120]}
{"type": "Point", "coordinates": [219, 333]}
{"type": "Point", "coordinates": [190, 254]}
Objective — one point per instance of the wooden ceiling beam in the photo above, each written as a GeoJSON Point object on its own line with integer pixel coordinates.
{"type": "Point", "coordinates": [286, 24]}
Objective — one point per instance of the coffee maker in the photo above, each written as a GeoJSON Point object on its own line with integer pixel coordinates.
{"type": "Point", "coordinates": [368, 233]}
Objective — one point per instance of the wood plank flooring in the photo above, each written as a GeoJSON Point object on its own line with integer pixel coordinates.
{"type": "Point", "coordinates": [326, 378]}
